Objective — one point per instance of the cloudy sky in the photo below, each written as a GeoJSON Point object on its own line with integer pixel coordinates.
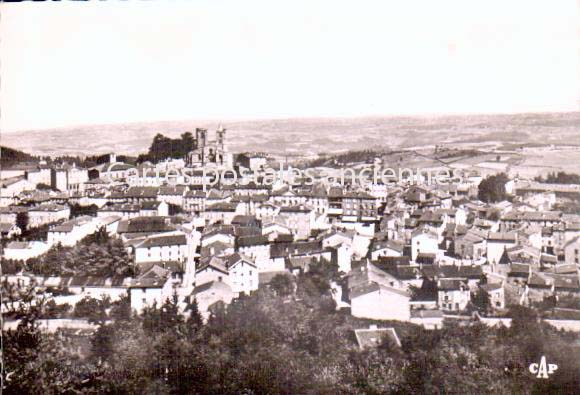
{"type": "Point", "coordinates": [74, 63]}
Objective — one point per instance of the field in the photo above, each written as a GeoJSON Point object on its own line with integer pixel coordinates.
{"type": "Point", "coordinates": [307, 137]}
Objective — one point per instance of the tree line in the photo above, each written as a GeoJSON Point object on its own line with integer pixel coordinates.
{"type": "Point", "coordinates": [163, 147]}
{"type": "Point", "coordinates": [288, 340]}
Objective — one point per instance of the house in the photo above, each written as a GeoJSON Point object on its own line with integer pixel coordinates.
{"type": "Point", "coordinates": [342, 256]}
{"type": "Point", "coordinates": [426, 297]}
{"type": "Point", "coordinates": [68, 178]}
{"type": "Point", "coordinates": [39, 175]}
{"type": "Point", "coordinates": [71, 232]}
{"type": "Point", "coordinates": [109, 223]}
{"type": "Point", "coordinates": [518, 273]}
{"type": "Point", "coordinates": [496, 294]}
{"type": "Point", "coordinates": [243, 274]}
{"type": "Point", "coordinates": [359, 206]}
{"type": "Point", "coordinates": [246, 221]}
{"type": "Point", "coordinates": [8, 214]}
{"type": "Point", "coordinates": [266, 211]}
{"type": "Point", "coordinates": [379, 302]}
{"type": "Point", "coordinates": [140, 194]}
{"type": "Point", "coordinates": [97, 287]}
{"type": "Point", "coordinates": [531, 235]}
{"type": "Point", "coordinates": [383, 248]}
{"type": "Point", "coordinates": [253, 161]}
{"type": "Point", "coordinates": [194, 201]}
{"type": "Point", "coordinates": [453, 294]}
{"type": "Point", "coordinates": [297, 255]}
{"type": "Point", "coordinates": [153, 287]}
{"type": "Point", "coordinates": [424, 241]}
{"type": "Point", "coordinates": [274, 228]}
{"type": "Point", "coordinates": [142, 226]}
{"type": "Point", "coordinates": [161, 247]}
{"type": "Point", "coordinates": [217, 248]}
{"type": "Point", "coordinates": [335, 238]}
{"type": "Point", "coordinates": [497, 242]}
{"type": "Point", "coordinates": [376, 294]}
{"type": "Point", "coordinates": [46, 214]}
{"type": "Point", "coordinates": [220, 212]}
{"type": "Point", "coordinates": [173, 194]}
{"type": "Point", "coordinates": [300, 220]}
{"type": "Point", "coordinates": [123, 210]}
{"type": "Point", "coordinates": [255, 247]}
{"type": "Point", "coordinates": [572, 251]}
{"type": "Point", "coordinates": [374, 336]}
{"type": "Point", "coordinates": [14, 186]}
{"type": "Point", "coordinates": [23, 250]}
{"type": "Point", "coordinates": [457, 216]}
{"type": "Point", "coordinates": [209, 294]}
{"type": "Point", "coordinates": [471, 245]}
{"type": "Point", "coordinates": [212, 269]}
{"type": "Point", "coordinates": [151, 209]}
{"type": "Point", "coordinates": [223, 234]}
{"type": "Point", "coordinates": [8, 230]}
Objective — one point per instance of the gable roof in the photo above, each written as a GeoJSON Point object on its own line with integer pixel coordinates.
{"type": "Point", "coordinates": [163, 241]}
{"type": "Point", "coordinates": [233, 259]}
{"type": "Point", "coordinates": [212, 286]}
{"type": "Point", "coordinates": [249, 241]}
{"type": "Point", "coordinates": [153, 224]}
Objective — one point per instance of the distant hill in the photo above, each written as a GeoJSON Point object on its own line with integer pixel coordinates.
{"type": "Point", "coordinates": [309, 136]}
{"type": "Point", "coordinates": [10, 157]}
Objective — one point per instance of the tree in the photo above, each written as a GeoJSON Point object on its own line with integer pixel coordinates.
{"type": "Point", "coordinates": [94, 310]}
{"type": "Point", "coordinates": [121, 309]}
{"type": "Point", "coordinates": [107, 259]}
{"type": "Point", "coordinates": [480, 300]}
{"type": "Point", "coordinates": [194, 320]}
{"type": "Point", "coordinates": [22, 220]}
{"type": "Point", "coordinates": [281, 284]}
{"type": "Point", "coordinates": [174, 209]}
{"type": "Point", "coordinates": [76, 210]}
{"type": "Point", "coordinates": [492, 189]}
{"type": "Point", "coordinates": [560, 178]}
{"type": "Point", "coordinates": [100, 237]}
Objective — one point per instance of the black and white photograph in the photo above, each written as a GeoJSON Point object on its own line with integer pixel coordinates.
{"type": "Point", "coordinates": [301, 197]}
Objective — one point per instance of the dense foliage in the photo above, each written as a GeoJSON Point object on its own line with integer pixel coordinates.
{"type": "Point", "coordinates": [10, 157]}
{"type": "Point", "coordinates": [560, 178]}
{"type": "Point", "coordinates": [164, 147]}
{"type": "Point", "coordinates": [492, 188]}
{"type": "Point", "coordinates": [76, 210]}
{"type": "Point", "coordinates": [109, 258]}
{"type": "Point", "coordinates": [295, 343]}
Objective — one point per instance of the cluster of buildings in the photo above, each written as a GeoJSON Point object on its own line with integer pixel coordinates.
{"type": "Point", "coordinates": [405, 252]}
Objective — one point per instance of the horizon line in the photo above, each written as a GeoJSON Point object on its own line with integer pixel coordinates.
{"type": "Point", "coordinates": [289, 118]}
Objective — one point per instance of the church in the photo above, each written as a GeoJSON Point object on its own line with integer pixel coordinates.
{"type": "Point", "coordinates": [209, 152]}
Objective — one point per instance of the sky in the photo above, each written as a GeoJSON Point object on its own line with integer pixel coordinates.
{"type": "Point", "coordinates": [80, 63]}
